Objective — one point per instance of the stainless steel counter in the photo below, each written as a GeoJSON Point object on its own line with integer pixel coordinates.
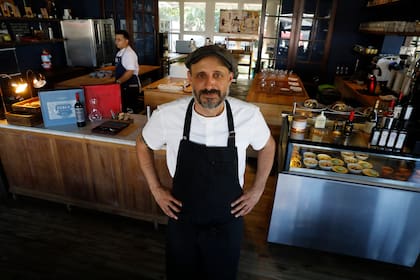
{"type": "Point", "coordinates": [347, 218]}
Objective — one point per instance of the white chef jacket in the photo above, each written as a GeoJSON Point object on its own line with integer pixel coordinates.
{"type": "Point", "coordinates": [166, 125]}
{"type": "Point", "coordinates": [129, 59]}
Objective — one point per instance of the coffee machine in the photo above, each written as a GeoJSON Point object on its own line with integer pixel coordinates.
{"type": "Point", "coordinates": [384, 66]}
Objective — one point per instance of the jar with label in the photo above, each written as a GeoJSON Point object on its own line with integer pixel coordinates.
{"type": "Point", "coordinates": [299, 124]}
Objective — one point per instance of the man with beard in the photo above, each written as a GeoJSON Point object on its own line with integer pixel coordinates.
{"type": "Point", "coordinates": [206, 138]}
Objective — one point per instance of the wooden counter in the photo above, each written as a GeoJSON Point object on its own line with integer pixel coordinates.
{"type": "Point", "coordinates": [88, 80]}
{"type": "Point", "coordinates": [153, 96]}
{"type": "Point", "coordinates": [74, 166]}
{"type": "Point", "coordinates": [276, 95]}
{"type": "Point", "coordinates": [352, 90]}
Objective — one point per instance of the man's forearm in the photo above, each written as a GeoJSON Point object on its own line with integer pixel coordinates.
{"type": "Point", "coordinates": [126, 76]}
{"type": "Point", "coordinates": [147, 164]}
{"type": "Point", "coordinates": [264, 164]}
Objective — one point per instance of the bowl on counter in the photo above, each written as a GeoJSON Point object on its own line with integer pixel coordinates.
{"type": "Point", "coordinates": [350, 160]}
{"type": "Point", "coordinates": [362, 156]}
{"type": "Point", "coordinates": [354, 168]}
{"type": "Point", "coordinates": [323, 157]}
{"type": "Point", "coordinates": [347, 154]}
{"type": "Point", "coordinates": [337, 162]}
{"type": "Point", "coordinates": [365, 164]}
{"type": "Point", "coordinates": [310, 162]}
{"type": "Point", "coordinates": [309, 155]}
{"type": "Point", "coordinates": [325, 164]}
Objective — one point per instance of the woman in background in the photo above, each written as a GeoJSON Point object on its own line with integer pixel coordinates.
{"type": "Point", "coordinates": [126, 73]}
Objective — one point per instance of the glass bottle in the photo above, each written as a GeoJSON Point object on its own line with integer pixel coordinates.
{"type": "Point", "coordinates": [372, 119]}
{"type": "Point", "coordinates": [95, 114]}
{"type": "Point", "coordinates": [320, 120]}
{"type": "Point", "coordinates": [79, 111]}
{"type": "Point", "coordinates": [374, 135]}
{"type": "Point", "coordinates": [402, 136]}
{"type": "Point", "coordinates": [385, 132]}
{"type": "Point", "coordinates": [348, 126]}
{"type": "Point", "coordinates": [393, 134]}
{"type": "Point", "coordinates": [398, 106]}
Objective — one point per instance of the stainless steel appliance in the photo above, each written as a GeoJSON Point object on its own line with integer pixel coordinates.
{"type": "Point", "coordinates": [89, 42]}
{"type": "Point", "coordinates": [369, 213]}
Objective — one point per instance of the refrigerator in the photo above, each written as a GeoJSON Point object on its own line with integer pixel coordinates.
{"type": "Point", "coordinates": [89, 42]}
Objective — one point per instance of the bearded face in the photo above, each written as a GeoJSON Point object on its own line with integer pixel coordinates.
{"type": "Point", "coordinates": [210, 99]}
{"type": "Point", "coordinates": [210, 80]}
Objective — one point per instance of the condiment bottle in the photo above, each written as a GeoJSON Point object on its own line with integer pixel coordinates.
{"type": "Point", "coordinates": [320, 120]}
{"type": "Point", "coordinates": [348, 126]}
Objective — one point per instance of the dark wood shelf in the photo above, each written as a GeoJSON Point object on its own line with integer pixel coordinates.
{"type": "Point", "coordinates": [14, 44]}
{"type": "Point", "coordinates": [377, 3]}
{"type": "Point", "coordinates": [390, 33]}
{"type": "Point", "coordinates": [27, 19]}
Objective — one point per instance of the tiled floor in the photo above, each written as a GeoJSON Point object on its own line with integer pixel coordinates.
{"type": "Point", "coordinates": [239, 89]}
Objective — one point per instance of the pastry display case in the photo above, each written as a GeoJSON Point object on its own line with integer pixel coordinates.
{"type": "Point", "coordinates": [350, 159]}
{"type": "Point", "coordinates": [337, 194]}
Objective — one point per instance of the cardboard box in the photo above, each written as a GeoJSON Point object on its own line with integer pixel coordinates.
{"type": "Point", "coordinates": [57, 106]}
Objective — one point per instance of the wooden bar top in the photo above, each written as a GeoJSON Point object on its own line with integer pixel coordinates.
{"type": "Point", "coordinates": [352, 90]}
{"type": "Point", "coordinates": [89, 80]}
{"type": "Point", "coordinates": [165, 90]}
{"type": "Point", "coordinates": [285, 90]}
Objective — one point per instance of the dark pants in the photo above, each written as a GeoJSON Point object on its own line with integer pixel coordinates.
{"type": "Point", "coordinates": [130, 98]}
{"type": "Point", "coordinates": [203, 252]}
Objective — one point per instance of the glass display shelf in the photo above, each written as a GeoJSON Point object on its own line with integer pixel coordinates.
{"type": "Point", "coordinates": [350, 159]}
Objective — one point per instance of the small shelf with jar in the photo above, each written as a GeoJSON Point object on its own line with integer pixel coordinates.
{"type": "Point", "coordinates": [406, 28]}
{"type": "Point", "coordinates": [24, 31]}
{"type": "Point", "coordinates": [374, 3]}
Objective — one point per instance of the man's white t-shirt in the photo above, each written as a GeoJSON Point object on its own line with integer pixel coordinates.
{"type": "Point", "coordinates": [166, 126]}
{"type": "Point", "coordinates": [129, 59]}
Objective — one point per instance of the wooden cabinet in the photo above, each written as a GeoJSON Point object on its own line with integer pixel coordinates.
{"type": "Point", "coordinates": [296, 35]}
{"type": "Point", "coordinates": [140, 19]}
{"type": "Point", "coordinates": [83, 172]}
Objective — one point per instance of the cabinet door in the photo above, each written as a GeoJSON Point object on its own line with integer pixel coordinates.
{"type": "Point", "coordinates": [104, 167]}
{"type": "Point", "coordinates": [136, 195]}
{"type": "Point", "coordinates": [139, 18]}
{"type": "Point", "coordinates": [314, 27]}
{"type": "Point", "coordinates": [73, 161]}
{"type": "Point", "coordinates": [15, 160]}
{"type": "Point", "coordinates": [45, 169]}
{"type": "Point", "coordinates": [297, 35]}
{"type": "Point", "coordinates": [144, 22]}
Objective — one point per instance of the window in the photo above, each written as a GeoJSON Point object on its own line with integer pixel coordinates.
{"type": "Point", "coordinates": [252, 7]}
{"type": "Point", "coordinates": [169, 15]}
{"type": "Point", "coordinates": [183, 20]}
{"type": "Point", "coordinates": [194, 16]}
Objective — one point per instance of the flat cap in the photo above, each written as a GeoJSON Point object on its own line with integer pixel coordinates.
{"type": "Point", "coordinates": [212, 50]}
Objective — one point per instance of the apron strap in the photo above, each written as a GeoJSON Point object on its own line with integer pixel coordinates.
{"type": "Point", "coordinates": [231, 127]}
{"type": "Point", "coordinates": [187, 121]}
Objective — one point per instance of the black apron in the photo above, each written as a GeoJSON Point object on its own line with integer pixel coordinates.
{"type": "Point", "coordinates": [130, 89]}
{"type": "Point", "coordinates": [204, 243]}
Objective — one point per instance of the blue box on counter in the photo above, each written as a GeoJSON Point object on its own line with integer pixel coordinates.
{"type": "Point", "coordinates": [57, 106]}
